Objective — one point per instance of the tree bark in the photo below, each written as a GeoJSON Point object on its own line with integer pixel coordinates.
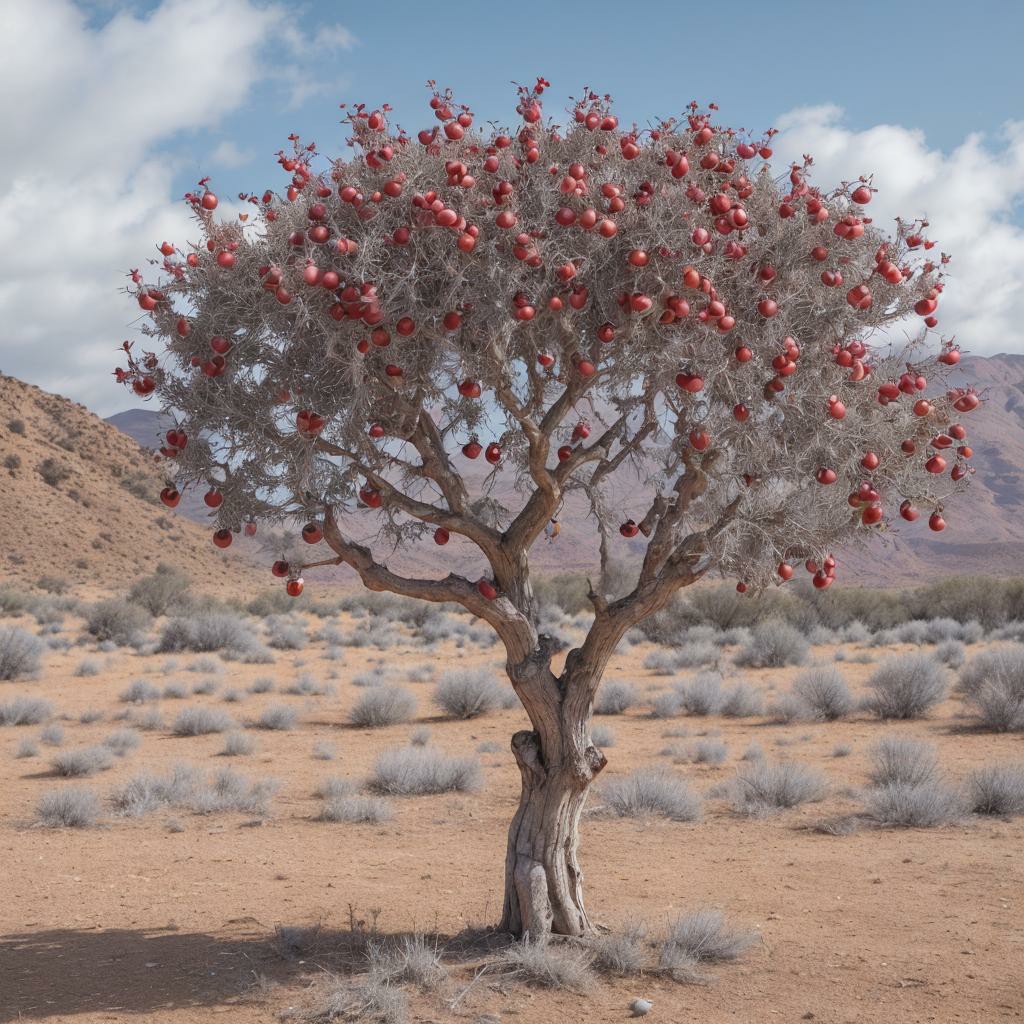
{"type": "Point", "coordinates": [543, 878]}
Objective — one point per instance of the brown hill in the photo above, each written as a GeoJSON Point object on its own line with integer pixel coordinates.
{"type": "Point", "coordinates": [984, 534]}
{"type": "Point", "coordinates": [78, 500]}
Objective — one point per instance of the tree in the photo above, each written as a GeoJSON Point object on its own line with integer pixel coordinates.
{"type": "Point", "coordinates": [583, 306]}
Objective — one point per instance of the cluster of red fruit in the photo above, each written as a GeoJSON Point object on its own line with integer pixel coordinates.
{"type": "Point", "coordinates": [822, 576]}
{"type": "Point", "coordinates": [583, 207]}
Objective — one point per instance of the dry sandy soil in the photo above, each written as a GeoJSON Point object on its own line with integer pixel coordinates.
{"type": "Point", "coordinates": [133, 920]}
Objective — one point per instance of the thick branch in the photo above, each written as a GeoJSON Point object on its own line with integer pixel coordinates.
{"type": "Point", "coordinates": [515, 630]}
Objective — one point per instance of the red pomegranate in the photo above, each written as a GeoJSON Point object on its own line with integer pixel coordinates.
{"type": "Point", "coordinates": [222, 538]}
{"type": "Point", "coordinates": [170, 496]}
{"type": "Point", "coordinates": [312, 534]}
{"type": "Point", "coordinates": [294, 587]}
{"type": "Point", "coordinates": [441, 536]}
{"type": "Point", "coordinates": [629, 528]}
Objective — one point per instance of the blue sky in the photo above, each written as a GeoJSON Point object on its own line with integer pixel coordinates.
{"type": "Point", "coordinates": [122, 107]}
{"type": "Point", "coordinates": [944, 68]}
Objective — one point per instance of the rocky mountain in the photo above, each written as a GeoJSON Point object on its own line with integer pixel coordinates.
{"type": "Point", "coordinates": [78, 500]}
{"type": "Point", "coordinates": [985, 532]}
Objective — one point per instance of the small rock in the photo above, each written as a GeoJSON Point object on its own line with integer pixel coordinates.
{"type": "Point", "coordinates": [641, 1007]}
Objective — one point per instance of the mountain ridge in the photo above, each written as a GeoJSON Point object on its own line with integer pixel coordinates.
{"type": "Point", "coordinates": [984, 534]}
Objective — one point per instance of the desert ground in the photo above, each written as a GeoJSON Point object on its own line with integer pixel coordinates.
{"type": "Point", "coordinates": [253, 907]}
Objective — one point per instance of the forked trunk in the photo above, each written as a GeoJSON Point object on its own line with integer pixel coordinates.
{"type": "Point", "coordinates": [543, 878]}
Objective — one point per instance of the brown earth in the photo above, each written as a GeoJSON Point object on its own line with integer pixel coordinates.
{"type": "Point", "coordinates": [132, 921]}
{"type": "Point", "coordinates": [98, 524]}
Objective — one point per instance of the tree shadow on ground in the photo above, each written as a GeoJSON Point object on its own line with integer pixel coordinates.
{"type": "Point", "coordinates": [58, 973]}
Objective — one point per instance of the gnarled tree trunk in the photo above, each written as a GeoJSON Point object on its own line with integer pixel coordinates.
{"type": "Point", "coordinates": [543, 878]}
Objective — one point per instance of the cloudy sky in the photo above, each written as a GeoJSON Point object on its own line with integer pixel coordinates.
{"type": "Point", "coordinates": [112, 111]}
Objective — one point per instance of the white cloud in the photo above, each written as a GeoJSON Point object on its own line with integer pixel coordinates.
{"type": "Point", "coordinates": [336, 37]}
{"type": "Point", "coordinates": [967, 196]}
{"type": "Point", "coordinates": [228, 154]}
{"type": "Point", "coordinates": [84, 192]}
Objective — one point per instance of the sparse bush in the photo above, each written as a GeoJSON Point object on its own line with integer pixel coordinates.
{"type": "Point", "coordinates": [703, 696]}
{"type": "Point", "coordinates": [842, 750]}
{"type": "Point", "coordinates": [205, 665]}
{"type": "Point", "coordinates": [420, 736]}
{"type": "Point", "coordinates": [417, 771]}
{"type": "Point", "coordinates": [70, 807]}
{"type": "Point", "coordinates": [26, 748]}
{"type": "Point", "coordinates": [363, 809]}
{"type": "Point", "coordinates": [548, 966]}
{"type": "Point", "coordinates": [951, 653]}
{"type": "Point", "coordinates": [116, 621]}
{"type": "Point", "coordinates": [772, 644]}
{"type": "Point", "coordinates": [184, 787]}
{"type": "Point", "coordinates": [54, 472]}
{"type": "Point", "coordinates": [277, 717]}
{"type": "Point", "coordinates": [217, 632]}
{"type": "Point", "coordinates": [788, 707]}
{"type": "Point", "coordinates": [147, 720]}
{"type": "Point", "coordinates": [90, 715]}
{"type": "Point", "coordinates": [925, 805]}
{"type": "Point", "coordinates": [366, 999]}
{"type": "Point", "coordinates": [307, 686]}
{"type": "Point", "coordinates": [25, 711]}
{"type": "Point", "coordinates": [619, 953]}
{"type": "Point", "coordinates": [998, 789]}
{"type": "Point", "coordinates": [201, 721]}
{"type": "Point", "coordinates": [614, 697]}
{"type": "Point", "coordinates": [285, 634]}
{"type": "Point", "coordinates": [703, 937]}
{"type": "Point", "coordinates": [902, 760]}
{"type": "Point", "coordinates": [660, 662]}
{"type": "Point", "coordinates": [709, 752]}
{"type": "Point", "coordinates": [762, 788]}
{"type": "Point", "coordinates": [175, 691]}
{"type": "Point", "coordinates": [383, 705]}
{"type": "Point", "coordinates": [824, 693]}
{"type": "Point", "coordinates": [602, 735]}
{"type": "Point", "coordinates": [166, 589]}
{"type": "Point", "coordinates": [87, 667]}
{"type": "Point", "coordinates": [906, 686]}
{"type": "Point", "coordinates": [742, 701]}
{"type": "Point", "coordinates": [122, 741]}
{"type": "Point", "coordinates": [324, 751]}
{"type": "Point", "coordinates": [205, 687]}
{"type": "Point", "coordinates": [141, 691]}
{"type": "Point", "coordinates": [20, 652]}
{"type": "Point", "coordinates": [421, 673]}
{"type": "Point", "coordinates": [52, 735]}
{"type": "Point", "coordinates": [16, 426]}
{"type": "Point", "coordinates": [696, 655]}
{"type": "Point", "coordinates": [262, 685]}
{"type": "Point", "coordinates": [83, 761]}
{"type": "Point", "coordinates": [992, 684]}
{"type": "Point", "coordinates": [650, 792]}
{"type": "Point", "coordinates": [237, 744]}
{"type": "Point", "coordinates": [666, 705]}
{"type": "Point", "coordinates": [754, 752]}
{"type": "Point", "coordinates": [415, 960]}
{"type": "Point", "coordinates": [334, 787]}
{"type": "Point", "coordinates": [469, 693]}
